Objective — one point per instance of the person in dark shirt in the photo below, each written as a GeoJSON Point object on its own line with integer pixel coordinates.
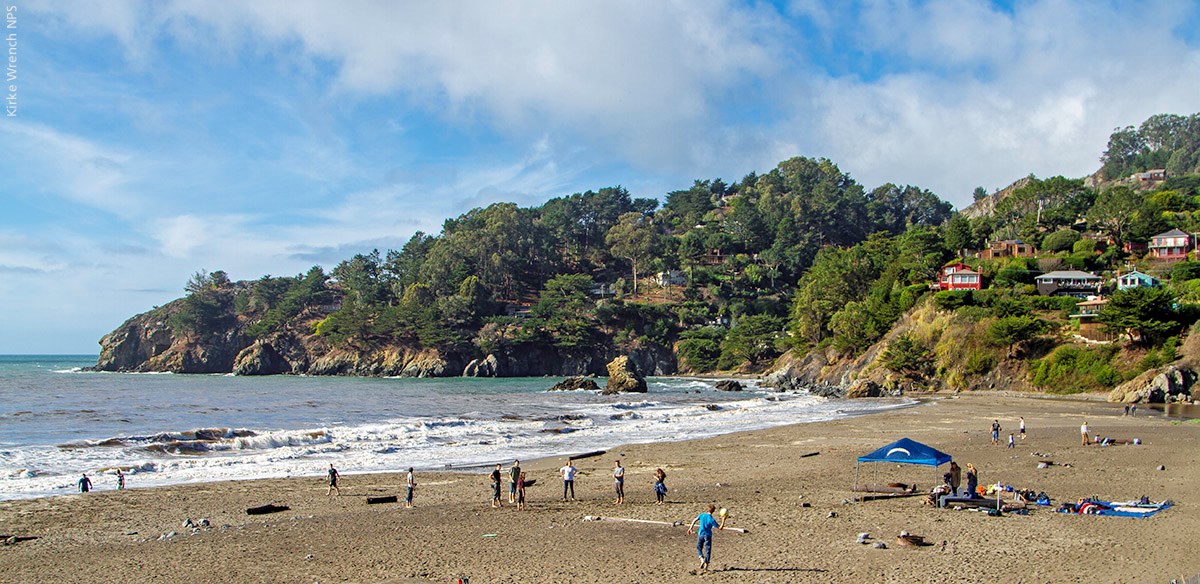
{"type": "Point", "coordinates": [333, 479]}
{"type": "Point", "coordinates": [85, 484]}
{"type": "Point", "coordinates": [995, 432]}
{"type": "Point", "coordinates": [496, 475]}
{"type": "Point", "coordinates": [514, 473]}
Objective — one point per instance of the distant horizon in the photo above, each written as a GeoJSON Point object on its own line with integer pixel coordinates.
{"type": "Point", "coordinates": [147, 141]}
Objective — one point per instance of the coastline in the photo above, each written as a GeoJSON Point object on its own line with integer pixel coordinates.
{"type": "Point", "coordinates": [760, 475]}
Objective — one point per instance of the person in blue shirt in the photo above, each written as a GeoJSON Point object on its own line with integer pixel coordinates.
{"type": "Point", "coordinates": [706, 523]}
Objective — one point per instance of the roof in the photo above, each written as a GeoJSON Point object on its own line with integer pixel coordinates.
{"type": "Point", "coordinates": [1096, 302]}
{"type": "Point", "coordinates": [1172, 233]}
{"type": "Point", "coordinates": [968, 271]}
{"type": "Point", "coordinates": [908, 452]}
{"type": "Point", "coordinates": [1068, 274]}
{"type": "Point", "coordinates": [1138, 275]}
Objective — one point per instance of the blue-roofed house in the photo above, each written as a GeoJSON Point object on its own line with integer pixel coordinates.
{"type": "Point", "coordinates": [1136, 279]}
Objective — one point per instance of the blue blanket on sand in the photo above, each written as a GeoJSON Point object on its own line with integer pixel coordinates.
{"type": "Point", "coordinates": [1118, 508]}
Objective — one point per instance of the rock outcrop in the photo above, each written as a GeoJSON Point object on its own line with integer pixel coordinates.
{"type": "Point", "coordinates": [728, 385]}
{"type": "Point", "coordinates": [623, 377]}
{"type": "Point", "coordinates": [575, 383]}
{"type": "Point", "coordinates": [1157, 386]}
{"type": "Point", "coordinates": [864, 388]}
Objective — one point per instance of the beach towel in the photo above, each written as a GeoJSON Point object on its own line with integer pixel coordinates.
{"type": "Point", "coordinates": [1117, 508]}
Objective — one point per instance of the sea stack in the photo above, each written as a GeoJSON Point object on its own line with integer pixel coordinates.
{"type": "Point", "coordinates": [623, 377]}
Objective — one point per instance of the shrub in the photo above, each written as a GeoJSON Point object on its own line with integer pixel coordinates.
{"type": "Point", "coordinates": [1061, 240]}
{"type": "Point", "coordinates": [952, 299]}
{"type": "Point", "coordinates": [1075, 369]}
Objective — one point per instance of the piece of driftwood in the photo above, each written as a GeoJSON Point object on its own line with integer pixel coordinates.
{"type": "Point", "coordinates": [872, 496]}
{"type": "Point", "coordinates": [264, 509]}
{"type": "Point", "coordinates": [383, 499]}
{"type": "Point", "coordinates": [809, 454]}
{"type": "Point", "coordinates": [591, 454]}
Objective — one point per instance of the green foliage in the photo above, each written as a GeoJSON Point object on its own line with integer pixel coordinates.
{"type": "Point", "coordinates": [1183, 271]}
{"type": "Point", "coordinates": [1161, 355]}
{"type": "Point", "coordinates": [1148, 312]}
{"type": "Point", "coordinates": [1010, 331]}
{"type": "Point", "coordinates": [1061, 240]}
{"type": "Point", "coordinates": [953, 299]}
{"type": "Point", "coordinates": [1075, 368]}
{"type": "Point", "coordinates": [907, 356]}
{"type": "Point", "coordinates": [752, 340]}
{"type": "Point", "coordinates": [1162, 141]}
{"type": "Point", "coordinates": [700, 349]}
{"type": "Point", "coordinates": [979, 362]}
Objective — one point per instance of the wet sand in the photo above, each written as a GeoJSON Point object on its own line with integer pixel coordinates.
{"type": "Point", "coordinates": [760, 476]}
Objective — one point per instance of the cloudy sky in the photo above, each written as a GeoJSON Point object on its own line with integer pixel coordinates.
{"type": "Point", "coordinates": [153, 139]}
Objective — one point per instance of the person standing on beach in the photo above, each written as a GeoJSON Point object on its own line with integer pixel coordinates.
{"type": "Point", "coordinates": [411, 482]}
{"type": "Point", "coordinates": [521, 492]}
{"type": "Point", "coordinates": [972, 481]}
{"type": "Point", "coordinates": [995, 432]}
{"type": "Point", "coordinates": [85, 484]}
{"type": "Point", "coordinates": [619, 482]}
{"type": "Point", "coordinates": [514, 473]}
{"type": "Point", "coordinates": [1083, 430]}
{"type": "Point", "coordinates": [568, 474]}
{"type": "Point", "coordinates": [704, 535]}
{"type": "Point", "coordinates": [333, 479]}
{"type": "Point", "coordinates": [1022, 429]}
{"type": "Point", "coordinates": [1011, 442]}
{"type": "Point", "coordinates": [120, 480]}
{"type": "Point", "coordinates": [496, 477]}
{"type": "Point", "coordinates": [955, 477]}
{"type": "Point", "coordinates": [660, 486]}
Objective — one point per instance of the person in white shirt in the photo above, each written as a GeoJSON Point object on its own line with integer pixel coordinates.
{"type": "Point", "coordinates": [568, 475]}
{"type": "Point", "coordinates": [1083, 429]}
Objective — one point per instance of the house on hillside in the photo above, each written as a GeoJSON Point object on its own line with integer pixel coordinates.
{"type": "Point", "coordinates": [1069, 283]}
{"type": "Point", "coordinates": [1089, 323]}
{"type": "Point", "coordinates": [1172, 245]}
{"type": "Point", "coordinates": [958, 276]}
{"type": "Point", "coordinates": [1007, 248]}
{"type": "Point", "coordinates": [1151, 176]}
{"type": "Point", "coordinates": [1136, 279]}
{"type": "Point", "coordinates": [671, 278]}
{"type": "Point", "coordinates": [1134, 247]}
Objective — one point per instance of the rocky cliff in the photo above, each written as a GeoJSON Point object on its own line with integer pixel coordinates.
{"type": "Point", "coordinates": [149, 343]}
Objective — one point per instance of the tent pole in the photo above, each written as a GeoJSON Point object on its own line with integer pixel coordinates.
{"type": "Point", "coordinates": [856, 476]}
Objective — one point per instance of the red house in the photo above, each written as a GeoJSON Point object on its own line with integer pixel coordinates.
{"type": "Point", "coordinates": [958, 276]}
{"type": "Point", "coordinates": [1172, 245]}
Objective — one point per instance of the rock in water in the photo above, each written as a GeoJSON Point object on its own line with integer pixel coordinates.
{"type": "Point", "coordinates": [729, 385]}
{"type": "Point", "coordinates": [574, 383]}
{"type": "Point", "coordinates": [623, 377]}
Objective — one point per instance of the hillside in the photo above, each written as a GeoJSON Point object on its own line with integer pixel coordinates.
{"type": "Point", "coordinates": [800, 261]}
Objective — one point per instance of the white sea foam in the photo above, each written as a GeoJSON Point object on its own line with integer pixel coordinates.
{"type": "Point", "coordinates": [551, 425]}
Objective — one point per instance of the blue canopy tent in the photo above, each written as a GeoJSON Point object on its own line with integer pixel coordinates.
{"type": "Point", "coordinates": [904, 451]}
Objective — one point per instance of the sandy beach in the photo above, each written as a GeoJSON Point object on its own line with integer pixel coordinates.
{"type": "Point", "coordinates": [760, 476]}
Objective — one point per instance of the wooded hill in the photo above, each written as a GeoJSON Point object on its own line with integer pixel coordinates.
{"type": "Point", "coordinates": [727, 276]}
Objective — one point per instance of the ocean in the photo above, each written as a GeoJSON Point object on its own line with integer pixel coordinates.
{"type": "Point", "coordinates": [57, 421]}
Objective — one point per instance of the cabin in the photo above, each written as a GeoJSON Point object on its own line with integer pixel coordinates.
{"type": "Point", "coordinates": [1008, 248]}
{"type": "Point", "coordinates": [671, 278]}
{"type": "Point", "coordinates": [1171, 246]}
{"type": "Point", "coordinates": [1069, 283]}
{"type": "Point", "coordinates": [1136, 279]}
{"type": "Point", "coordinates": [1089, 323]}
{"type": "Point", "coordinates": [958, 276]}
{"type": "Point", "coordinates": [1152, 176]}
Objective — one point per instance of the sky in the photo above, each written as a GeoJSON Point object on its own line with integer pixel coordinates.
{"type": "Point", "coordinates": [150, 140]}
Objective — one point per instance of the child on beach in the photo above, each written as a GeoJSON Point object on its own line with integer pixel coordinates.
{"type": "Point", "coordinates": [521, 492]}
{"type": "Point", "coordinates": [619, 482]}
{"type": "Point", "coordinates": [120, 480]}
{"type": "Point", "coordinates": [495, 476]}
{"type": "Point", "coordinates": [411, 482]}
{"type": "Point", "coordinates": [333, 479]}
{"type": "Point", "coordinates": [660, 486]}
{"type": "Point", "coordinates": [1011, 442]}
{"type": "Point", "coordinates": [704, 534]}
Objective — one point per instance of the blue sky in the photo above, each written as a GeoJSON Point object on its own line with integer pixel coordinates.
{"type": "Point", "coordinates": [153, 139]}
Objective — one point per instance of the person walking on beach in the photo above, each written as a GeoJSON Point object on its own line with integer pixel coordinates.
{"type": "Point", "coordinates": [995, 432]}
{"type": "Point", "coordinates": [411, 482]}
{"type": "Point", "coordinates": [619, 482]}
{"type": "Point", "coordinates": [972, 481]}
{"type": "Point", "coordinates": [521, 492]}
{"type": "Point", "coordinates": [1083, 431]}
{"type": "Point", "coordinates": [704, 535]}
{"type": "Point", "coordinates": [496, 477]}
{"type": "Point", "coordinates": [660, 486]}
{"type": "Point", "coordinates": [85, 484]}
{"type": "Point", "coordinates": [514, 473]}
{"type": "Point", "coordinates": [1022, 428]}
{"type": "Point", "coordinates": [955, 477]}
{"type": "Point", "coordinates": [120, 480]}
{"type": "Point", "coordinates": [568, 474]}
{"type": "Point", "coordinates": [1011, 442]}
{"type": "Point", "coordinates": [333, 479]}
